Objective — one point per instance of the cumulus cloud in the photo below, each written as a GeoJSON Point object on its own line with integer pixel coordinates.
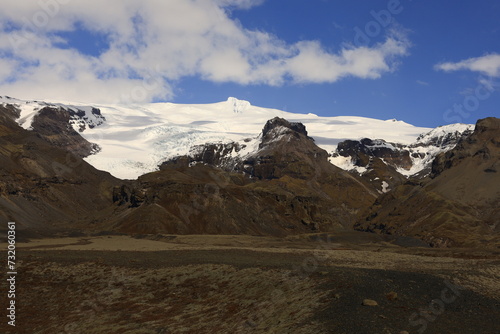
{"type": "Point", "coordinates": [313, 64]}
{"type": "Point", "coordinates": [151, 44]}
{"type": "Point", "coordinates": [487, 65]}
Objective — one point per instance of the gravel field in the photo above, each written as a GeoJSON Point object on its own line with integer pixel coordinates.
{"type": "Point", "coordinates": [244, 284]}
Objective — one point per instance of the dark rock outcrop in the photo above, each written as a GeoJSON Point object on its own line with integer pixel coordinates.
{"type": "Point", "coordinates": [53, 125]}
{"type": "Point", "coordinates": [218, 155]}
{"type": "Point", "coordinates": [280, 123]}
{"type": "Point", "coordinates": [286, 150]}
{"type": "Point", "coordinates": [362, 152]}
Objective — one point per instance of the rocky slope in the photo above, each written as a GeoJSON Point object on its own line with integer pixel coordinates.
{"type": "Point", "coordinates": [458, 205]}
{"type": "Point", "coordinates": [44, 186]}
{"type": "Point", "coordinates": [381, 165]}
{"type": "Point", "coordinates": [386, 165]}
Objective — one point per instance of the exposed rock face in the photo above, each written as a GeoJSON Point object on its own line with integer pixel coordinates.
{"type": "Point", "coordinates": [365, 150]}
{"type": "Point", "coordinates": [269, 132]}
{"type": "Point", "coordinates": [125, 194]}
{"type": "Point", "coordinates": [285, 150]}
{"type": "Point", "coordinates": [217, 155]}
{"type": "Point", "coordinates": [458, 206]}
{"type": "Point", "coordinates": [410, 160]}
{"type": "Point", "coordinates": [53, 125]}
{"type": "Point", "coordinates": [380, 161]}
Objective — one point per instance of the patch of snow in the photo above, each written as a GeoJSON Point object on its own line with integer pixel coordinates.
{"type": "Point", "coordinates": [346, 163]}
{"type": "Point", "coordinates": [28, 110]}
{"type": "Point", "coordinates": [385, 187]}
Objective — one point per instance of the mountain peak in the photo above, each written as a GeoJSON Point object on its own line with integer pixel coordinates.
{"type": "Point", "coordinates": [488, 124]}
{"type": "Point", "coordinates": [238, 106]}
{"type": "Point", "coordinates": [277, 122]}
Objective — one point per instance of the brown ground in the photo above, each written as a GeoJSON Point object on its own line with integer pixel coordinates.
{"type": "Point", "coordinates": [244, 284]}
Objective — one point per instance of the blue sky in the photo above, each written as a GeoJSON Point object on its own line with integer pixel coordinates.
{"type": "Point", "coordinates": [434, 63]}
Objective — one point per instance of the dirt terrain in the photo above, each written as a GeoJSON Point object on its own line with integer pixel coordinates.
{"type": "Point", "coordinates": [314, 283]}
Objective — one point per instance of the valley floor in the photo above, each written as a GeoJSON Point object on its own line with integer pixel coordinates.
{"type": "Point", "coordinates": [244, 284]}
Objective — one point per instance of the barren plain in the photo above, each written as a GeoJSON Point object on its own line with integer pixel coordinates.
{"type": "Point", "coordinates": [315, 283]}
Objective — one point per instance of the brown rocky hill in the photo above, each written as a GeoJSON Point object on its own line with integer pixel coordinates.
{"type": "Point", "coordinates": [286, 187]}
{"type": "Point", "coordinates": [44, 186]}
{"type": "Point", "coordinates": [458, 205]}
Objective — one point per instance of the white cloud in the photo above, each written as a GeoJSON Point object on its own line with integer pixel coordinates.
{"type": "Point", "coordinates": [154, 43]}
{"type": "Point", "coordinates": [313, 64]}
{"type": "Point", "coordinates": [488, 65]}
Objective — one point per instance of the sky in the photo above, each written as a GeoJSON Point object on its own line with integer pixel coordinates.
{"type": "Point", "coordinates": [425, 62]}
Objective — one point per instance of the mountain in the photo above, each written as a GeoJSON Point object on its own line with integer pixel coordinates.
{"type": "Point", "coordinates": [457, 205]}
{"type": "Point", "coordinates": [285, 187]}
{"type": "Point", "coordinates": [232, 168]}
{"type": "Point", "coordinates": [44, 186]}
{"type": "Point", "coordinates": [386, 165]}
{"type": "Point", "coordinates": [136, 139]}
{"type": "Point", "coordinates": [48, 188]}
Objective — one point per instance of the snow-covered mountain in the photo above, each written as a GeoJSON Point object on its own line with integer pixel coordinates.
{"type": "Point", "coordinates": [136, 139]}
{"type": "Point", "coordinates": [406, 159]}
{"type": "Point", "coordinates": [81, 117]}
